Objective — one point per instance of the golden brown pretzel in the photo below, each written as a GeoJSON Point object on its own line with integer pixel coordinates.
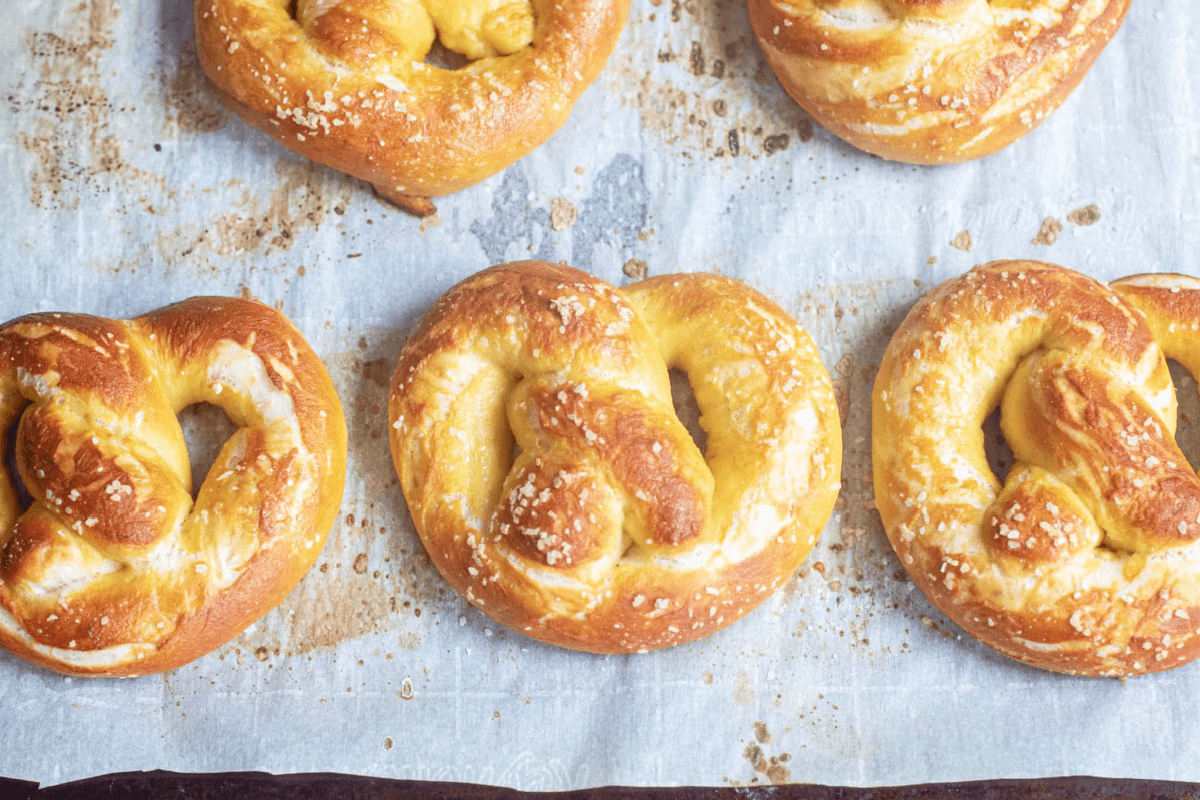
{"type": "Point", "coordinates": [609, 532]}
{"type": "Point", "coordinates": [114, 570]}
{"type": "Point", "coordinates": [932, 81]}
{"type": "Point", "coordinates": [345, 82]}
{"type": "Point", "coordinates": [1087, 560]}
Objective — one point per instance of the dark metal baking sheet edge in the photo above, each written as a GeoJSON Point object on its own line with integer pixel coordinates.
{"type": "Point", "coordinates": [327, 786]}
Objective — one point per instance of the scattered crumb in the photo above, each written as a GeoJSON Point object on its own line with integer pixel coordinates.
{"type": "Point", "coordinates": [962, 242]}
{"type": "Point", "coordinates": [636, 268]}
{"type": "Point", "coordinates": [1088, 215]}
{"type": "Point", "coordinates": [761, 733]}
{"type": "Point", "coordinates": [580, 170]}
{"type": "Point", "coordinates": [388, 744]}
{"type": "Point", "coordinates": [360, 564]}
{"type": "Point", "coordinates": [562, 213]}
{"type": "Point", "coordinates": [929, 262]}
{"type": "Point", "coordinates": [1048, 235]}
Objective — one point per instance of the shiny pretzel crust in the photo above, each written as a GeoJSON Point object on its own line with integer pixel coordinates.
{"type": "Point", "coordinates": [610, 533]}
{"type": "Point", "coordinates": [933, 81]}
{"type": "Point", "coordinates": [1086, 561]}
{"type": "Point", "coordinates": [356, 96]}
{"type": "Point", "coordinates": [114, 570]}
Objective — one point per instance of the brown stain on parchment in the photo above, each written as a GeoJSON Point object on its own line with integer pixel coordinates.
{"type": "Point", "coordinates": [302, 200]}
{"type": "Point", "coordinates": [66, 111]}
{"type": "Point", "coordinates": [191, 102]}
{"type": "Point", "coordinates": [772, 767]}
{"type": "Point", "coordinates": [701, 84]}
{"type": "Point", "coordinates": [854, 321]}
{"type": "Point", "coordinates": [1087, 215]}
{"type": "Point", "coordinates": [743, 690]}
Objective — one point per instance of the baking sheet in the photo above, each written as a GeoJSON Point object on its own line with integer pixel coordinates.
{"type": "Point", "coordinates": [131, 786]}
{"type": "Point", "coordinates": [129, 186]}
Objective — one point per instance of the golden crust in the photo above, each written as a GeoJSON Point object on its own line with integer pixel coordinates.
{"type": "Point", "coordinates": [609, 531]}
{"type": "Point", "coordinates": [1087, 559]}
{"type": "Point", "coordinates": [932, 81]}
{"type": "Point", "coordinates": [350, 89]}
{"type": "Point", "coordinates": [114, 570]}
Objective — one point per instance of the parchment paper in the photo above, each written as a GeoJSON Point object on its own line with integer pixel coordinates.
{"type": "Point", "coordinates": [128, 186]}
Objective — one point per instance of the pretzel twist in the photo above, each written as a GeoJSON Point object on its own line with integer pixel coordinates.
{"type": "Point", "coordinates": [114, 569]}
{"type": "Point", "coordinates": [345, 82]}
{"type": "Point", "coordinates": [932, 81]}
{"type": "Point", "coordinates": [1087, 559]}
{"type": "Point", "coordinates": [609, 531]}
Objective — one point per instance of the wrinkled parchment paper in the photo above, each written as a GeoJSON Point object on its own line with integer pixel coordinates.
{"type": "Point", "coordinates": [129, 186]}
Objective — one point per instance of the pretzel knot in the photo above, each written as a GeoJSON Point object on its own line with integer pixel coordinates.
{"type": "Point", "coordinates": [114, 569]}
{"type": "Point", "coordinates": [932, 81]}
{"type": "Point", "coordinates": [1087, 559]}
{"type": "Point", "coordinates": [609, 531]}
{"type": "Point", "coordinates": [345, 82]}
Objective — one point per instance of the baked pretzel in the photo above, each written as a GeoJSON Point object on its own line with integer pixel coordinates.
{"type": "Point", "coordinates": [609, 531]}
{"type": "Point", "coordinates": [114, 569]}
{"type": "Point", "coordinates": [932, 81]}
{"type": "Point", "coordinates": [345, 82]}
{"type": "Point", "coordinates": [1087, 559]}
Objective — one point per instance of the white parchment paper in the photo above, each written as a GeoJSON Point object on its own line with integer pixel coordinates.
{"type": "Point", "coordinates": [128, 186]}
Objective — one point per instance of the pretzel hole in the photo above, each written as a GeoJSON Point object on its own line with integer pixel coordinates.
{"type": "Point", "coordinates": [24, 498]}
{"type": "Point", "coordinates": [206, 428]}
{"type": "Point", "coordinates": [446, 34]}
{"type": "Point", "coordinates": [686, 408]}
{"type": "Point", "coordinates": [443, 57]}
{"type": "Point", "coordinates": [1187, 392]}
{"type": "Point", "coordinates": [995, 447]}
{"type": "Point", "coordinates": [514, 451]}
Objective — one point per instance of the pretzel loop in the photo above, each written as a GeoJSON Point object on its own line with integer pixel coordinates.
{"type": "Point", "coordinates": [114, 569]}
{"type": "Point", "coordinates": [932, 81]}
{"type": "Point", "coordinates": [1108, 444]}
{"type": "Point", "coordinates": [346, 83]}
{"type": "Point", "coordinates": [1086, 559]}
{"type": "Point", "coordinates": [609, 531]}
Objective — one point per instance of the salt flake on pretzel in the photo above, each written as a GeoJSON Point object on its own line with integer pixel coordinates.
{"type": "Point", "coordinates": [932, 81]}
{"type": "Point", "coordinates": [1087, 559]}
{"type": "Point", "coordinates": [114, 569]}
{"type": "Point", "coordinates": [345, 82]}
{"type": "Point", "coordinates": [609, 531]}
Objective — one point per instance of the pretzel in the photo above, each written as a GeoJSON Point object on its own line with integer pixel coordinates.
{"type": "Point", "coordinates": [932, 81]}
{"type": "Point", "coordinates": [1087, 559]}
{"type": "Point", "coordinates": [345, 82]}
{"type": "Point", "coordinates": [609, 531]}
{"type": "Point", "coordinates": [114, 570]}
